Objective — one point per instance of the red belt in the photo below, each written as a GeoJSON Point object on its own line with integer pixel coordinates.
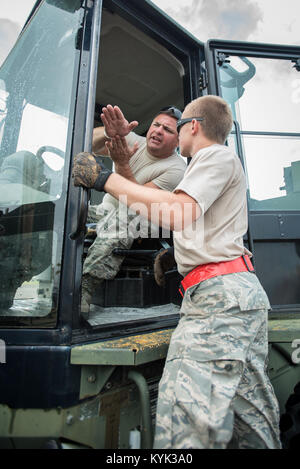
{"type": "Point", "coordinates": [206, 271]}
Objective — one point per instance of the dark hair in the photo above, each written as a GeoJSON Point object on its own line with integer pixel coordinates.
{"type": "Point", "coordinates": [172, 111]}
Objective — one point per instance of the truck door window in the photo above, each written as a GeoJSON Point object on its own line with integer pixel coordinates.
{"type": "Point", "coordinates": [36, 87]}
{"type": "Point", "coordinates": [265, 102]}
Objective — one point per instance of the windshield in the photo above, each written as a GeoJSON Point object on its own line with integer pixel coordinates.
{"type": "Point", "coordinates": [264, 97]}
{"type": "Point", "coordinates": [36, 90]}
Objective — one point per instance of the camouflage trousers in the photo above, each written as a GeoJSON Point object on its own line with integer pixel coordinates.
{"type": "Point", "coordinates": [101, 263]}
{"type": "Point", "coordinates": [215, 392]}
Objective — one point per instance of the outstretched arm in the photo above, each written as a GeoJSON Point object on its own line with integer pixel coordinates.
{"type": "Point", "coordinates": [172, 210]}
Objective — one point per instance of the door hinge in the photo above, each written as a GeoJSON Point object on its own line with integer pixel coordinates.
{"type": "Point", "coordinates": [297, 64]}
{"type": "Point", "coordinates": [222, 58]}
{"type": "Point", "coordinates": [203, 80]}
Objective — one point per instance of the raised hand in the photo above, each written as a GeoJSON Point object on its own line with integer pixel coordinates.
{"type": "Point", "coordinates": [119, 151]}
{"type": "Point", "coordinates": [115, 122]}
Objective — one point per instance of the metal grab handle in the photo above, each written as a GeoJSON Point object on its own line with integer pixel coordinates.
{"type": "Point", "coordinates": [141, 383]}
{"type": "Point", "coordinates": [84, 197]}
{"type": "Point", "coordinates": [239, 143]}
{"type": "Point", "coordinates": [242, 158]}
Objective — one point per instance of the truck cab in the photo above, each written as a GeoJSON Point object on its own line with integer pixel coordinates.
{"type": "Point", "coordinates": [92, 381]}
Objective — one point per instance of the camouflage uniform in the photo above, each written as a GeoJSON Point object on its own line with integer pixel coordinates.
{"type": "Point", "coordinates": [215, 392]}
{"type": "Point", "coordinates": [100, 262]}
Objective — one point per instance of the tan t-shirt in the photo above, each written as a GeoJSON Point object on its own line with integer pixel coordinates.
{"type": "Point", "coordinates": [165, 173]}
{"type": "Point", "coordinates": [215, 179]}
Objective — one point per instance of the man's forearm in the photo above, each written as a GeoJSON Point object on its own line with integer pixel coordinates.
{"type": "Point", "coordinates": [99, 140]}
{"type": "Point", "coordinates": [99, 147]}
{"type": "Point", "coordinates": [125, 171]}
{"type": "Point", "coordinates": [174, 211]}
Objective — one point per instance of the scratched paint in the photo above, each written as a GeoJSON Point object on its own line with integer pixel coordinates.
{"type": "Point", "coordinates": [125, 349]}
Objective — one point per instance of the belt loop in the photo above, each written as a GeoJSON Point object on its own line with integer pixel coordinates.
{"type": "Point", "coordinates": [181, 290]}
{"type": "Point", "coordinates": [244, 259]}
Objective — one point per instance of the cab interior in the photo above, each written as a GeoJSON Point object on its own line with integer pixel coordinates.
{"type": "Point", "coordinates": [141, 76]}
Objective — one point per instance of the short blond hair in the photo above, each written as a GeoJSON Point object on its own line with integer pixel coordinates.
{"type": "Point", "coordinates": [217, 115]}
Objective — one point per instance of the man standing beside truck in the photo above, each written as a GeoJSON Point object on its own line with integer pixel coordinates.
{"type": "Point", "coordinates": [214, 392]}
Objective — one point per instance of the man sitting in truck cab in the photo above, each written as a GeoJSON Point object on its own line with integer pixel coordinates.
{"type": "Point", "coordinates": [152, 161]}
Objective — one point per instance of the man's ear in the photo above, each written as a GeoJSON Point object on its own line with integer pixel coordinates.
{"type": "Point", "coordinates": [195, 127]}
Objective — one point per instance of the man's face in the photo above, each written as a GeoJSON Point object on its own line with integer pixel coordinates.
{"type": "Point", "coordinates": [162, 137]}
{"type": "Point", "coordinates": [184, 138]}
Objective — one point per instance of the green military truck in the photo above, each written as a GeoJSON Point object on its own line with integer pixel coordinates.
{"type": "Point", "coordinates": [74, 381]}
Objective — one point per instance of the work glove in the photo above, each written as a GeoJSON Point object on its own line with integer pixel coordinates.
{"type": "Point", "coordinates": [163, 262]}
{"type": "Point", "coordinates": [89, 171]}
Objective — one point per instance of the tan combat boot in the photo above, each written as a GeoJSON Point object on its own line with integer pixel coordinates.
{"type": "Point", "coordinates": [88, 286]}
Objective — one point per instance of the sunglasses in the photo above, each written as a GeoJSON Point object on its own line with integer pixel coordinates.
{"type": "Point", "coordinates": [172, 111]}
{"type": "Point", "coordinates": [182, 122]}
